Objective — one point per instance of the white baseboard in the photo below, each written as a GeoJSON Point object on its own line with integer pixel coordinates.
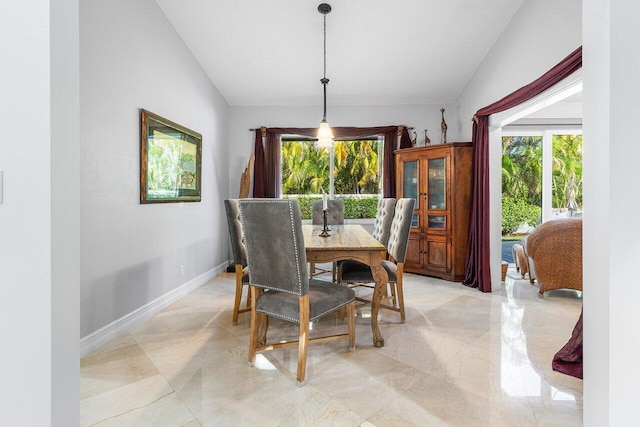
{"type": "Point", "coordinates": [105, 334]}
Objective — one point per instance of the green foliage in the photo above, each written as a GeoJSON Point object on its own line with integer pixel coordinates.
{"type": "Point", "coordinates": [361, 207]}
{"type": "Point", "coordinates": [522, 177]}
{"type": "Point", "coordinates": [522, 168]}
{"type": "Point", "coordinates": [567, 171]}
{"type": "Point", "coordinates": [356, 167]}
{"type": "Point", "coordinates": [353, 208]}
{"type": "Point", "coordinates": [305, 168]}
{"type": "Point", "coordinates": [305, 205]}
{"type": "Point", "coordinates": [516, 212]}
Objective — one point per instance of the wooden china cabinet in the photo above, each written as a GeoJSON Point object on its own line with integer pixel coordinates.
{"type": "Point", "coordinates": [438, 177]}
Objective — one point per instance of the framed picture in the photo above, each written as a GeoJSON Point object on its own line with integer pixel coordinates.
{"type": "Point", "coordinates": [170, 161]}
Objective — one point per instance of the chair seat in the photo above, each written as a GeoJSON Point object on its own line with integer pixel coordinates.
{"type": "Point", "coordinates": [354, 271]}
{"type": "Point", "coordinates": [324, 297]}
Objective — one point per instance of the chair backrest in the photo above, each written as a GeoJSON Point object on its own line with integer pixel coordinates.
{"type": "Point", "coordinates": [275, 244]}
{"type": "Point", "coordinates": [554, 249]}
{"type": "Point", "coordinates": [235, 231]}
{"type": "Point", "coordinates": [400, 227]}
{"type": "Point", "coordinates": [335, 212]}
{"type": "Point", "coordinates": [384, 216]}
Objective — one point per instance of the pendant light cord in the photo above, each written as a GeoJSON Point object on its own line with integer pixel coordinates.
{"type": "Point", "coordinates": [324, 79]}
{"type": "Point", "coordinates": [325, 48]}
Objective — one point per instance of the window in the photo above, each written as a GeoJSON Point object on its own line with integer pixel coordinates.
{"type": "Point", "coordinates": [541, 176]}
{"type": "Point", "coordinates": [351, 170]}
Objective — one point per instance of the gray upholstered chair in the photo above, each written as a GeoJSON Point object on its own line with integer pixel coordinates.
{"type": "Point", "coordinates": [384, 217]}
{"type": "Point", "coordinates": [335, 216]}
{"type": "Point", "coordinates": [335, 212]}
{"type": "Point", "coordinates": [357, 274]}
{"type": "Point", "coordinates": [381, 226]}
{"type": "Point", "coordinates": [239, 256]}
{"type": "Point", "coordinates": [279, 281]}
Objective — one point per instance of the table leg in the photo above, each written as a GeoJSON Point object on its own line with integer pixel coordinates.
{"type": "Point", "coordinates": [381, 278]}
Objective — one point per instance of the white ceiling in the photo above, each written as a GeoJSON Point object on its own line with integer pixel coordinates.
{"type": "Point", "coordinates": [260, 52]}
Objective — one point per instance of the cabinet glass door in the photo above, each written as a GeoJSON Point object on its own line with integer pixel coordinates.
{"type": "Point", "coordinates": [437, 221]}
{"type": "Point", "coordinates": [436, 184]}
{"type": "Point", "coordinates": [410, 187]}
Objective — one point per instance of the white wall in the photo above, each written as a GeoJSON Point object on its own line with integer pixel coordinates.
{"type": "Point", "coordinates": [611, 237]}
{"type": "Point", "coordinates": [420, 117]}
{"type": "Point", "coordinates": [541, 34]}
{"type": "Point", "coordinates": [39, 231]}
{"type": "Point", "coordinates": [65, 212]}
{"type": "Point", "coordinates": [131, 58]}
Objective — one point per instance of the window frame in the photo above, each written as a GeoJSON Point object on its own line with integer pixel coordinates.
{"type": "Point", "coordinates": [547, 133]}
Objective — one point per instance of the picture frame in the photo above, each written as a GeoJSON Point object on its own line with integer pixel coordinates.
{"type": "Point", "coordinates": [170, 161]}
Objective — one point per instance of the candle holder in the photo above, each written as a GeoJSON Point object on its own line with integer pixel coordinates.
{"type": "Point", "coordinates": [325, 229]}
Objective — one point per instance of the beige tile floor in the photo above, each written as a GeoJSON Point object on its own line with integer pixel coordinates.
{"type": "Point", "coordinates": [463, 358]}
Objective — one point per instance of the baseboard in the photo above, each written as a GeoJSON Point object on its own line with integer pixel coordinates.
{"type": "Point", "coordinates": [105, 334]}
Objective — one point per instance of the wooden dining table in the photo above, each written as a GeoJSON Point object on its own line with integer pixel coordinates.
{"type": "Point", "coordinates": [351, 242]}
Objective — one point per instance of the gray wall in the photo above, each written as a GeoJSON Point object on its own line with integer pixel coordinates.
{"type": "Point", "coordinates": [131, 58]}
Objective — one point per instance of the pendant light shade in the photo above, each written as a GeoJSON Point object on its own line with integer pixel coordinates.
{"type": "Point", "coordinates": [325, 135]}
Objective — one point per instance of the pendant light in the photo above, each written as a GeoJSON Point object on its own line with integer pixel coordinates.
{"type": "Point", "coordinates": [325, 135]}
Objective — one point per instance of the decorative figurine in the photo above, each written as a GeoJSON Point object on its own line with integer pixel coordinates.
{"type": "Point", "coordinates": [414, 141]}
{"type": "Point", "coordinates": [443, 128]}
{"type": "Point", "coordinates": [427, 141]}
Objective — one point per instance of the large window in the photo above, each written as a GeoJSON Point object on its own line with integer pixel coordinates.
{"type": "Point", "coordinates": [350, 170]}
{"type": "Point", "coordinates": [541, 176]}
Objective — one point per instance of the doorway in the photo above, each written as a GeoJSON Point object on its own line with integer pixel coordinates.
{"type": "Point", "coordinates": [523, 117]}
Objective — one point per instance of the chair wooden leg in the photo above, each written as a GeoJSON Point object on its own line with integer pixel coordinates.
{"type": "Point", "coordinates": [263, 326]}
{"type": "Point", "coordinates": [303, 339]}
{"type": "Point", "coordinates": [253, 334]}
{"type": "Point", "coordinates": [248, 304]}
{"type": "Point", "coordinates": [394, 299]}
{"type": "Point", "coordinates": [238, 298]}
{"type": "Point", "coordinates": [351, 322]}
{"type": "Point", "coordinates": [399, 290]}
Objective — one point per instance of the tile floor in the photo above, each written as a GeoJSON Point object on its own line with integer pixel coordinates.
{"type": "Point", "coordinates": [463, 358]}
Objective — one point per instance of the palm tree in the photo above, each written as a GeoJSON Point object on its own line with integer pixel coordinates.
{"type": "Point", "coordinates": [522, 168]}
{"type": "Point", "coordinates": [357, 167]}
{"type": "Point", "coordinates": [305, 168]}
{"type": "Point", "coordinates": [567, 170]}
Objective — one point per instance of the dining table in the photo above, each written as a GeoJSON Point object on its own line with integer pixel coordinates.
{"type": "Point", "coordinates": [351, 242]}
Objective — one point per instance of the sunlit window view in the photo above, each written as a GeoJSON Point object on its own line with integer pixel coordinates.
{"type": "Point", "coordinates": [541, 179]}
{"type": "Point", "coordinates": [567, 175]}
{"type": "Point", "coordinates": [306, 174]}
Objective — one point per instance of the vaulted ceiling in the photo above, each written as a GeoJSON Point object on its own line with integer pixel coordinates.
{"type": "Point", "coordinates": [260, 52]}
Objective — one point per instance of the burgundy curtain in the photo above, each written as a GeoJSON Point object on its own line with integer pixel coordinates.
{"type": "Point", "coordinates": [569, 359]}
{"type": "Point", "coordinates": [388, 162]}
{"type": "Point", "coordinates": [258, 166]}
{"type": "Point", "coordinates": [272, 162]}
{"type": "Point", "coordinates": [270, 175]}
{"type": "Point", "coordinates": [477, 272]}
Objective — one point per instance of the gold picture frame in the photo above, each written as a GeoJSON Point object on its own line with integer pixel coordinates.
{"type": "Point", "coordinates": [170, 161]}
